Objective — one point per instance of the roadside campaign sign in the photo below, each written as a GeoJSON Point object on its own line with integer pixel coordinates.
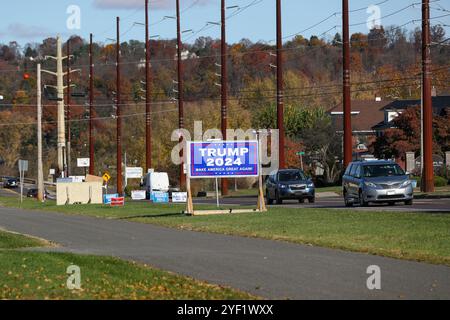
{"type": "Point", "coordinates": [160, 197]}
{"type": "Point", "coordinates": [138, 195]}
{"type": "Point", "coordinates": [179, 197]}
{"type": "Point", "coordinates": [107, 198]}
{"type": "Point", "coordinates": [223, 159]}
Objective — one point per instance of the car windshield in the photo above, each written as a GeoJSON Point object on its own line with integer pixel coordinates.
{"type": "Point", "coordinates": [383, 170]}
{"type": "Point", "coordinates": [291, 176]}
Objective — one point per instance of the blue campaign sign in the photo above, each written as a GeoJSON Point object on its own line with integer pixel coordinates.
{"type": "Point", "coordinates": [160, 197]}
{"type": "Point", "coordinates": [223, 159]}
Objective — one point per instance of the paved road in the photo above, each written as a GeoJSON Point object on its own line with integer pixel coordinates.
{"type": "Point", "coordinates": [267, 268]}
{"type": "Point", "coordinates": [420, 205]}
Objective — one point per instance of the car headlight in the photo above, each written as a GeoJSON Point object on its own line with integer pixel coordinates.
{"type": "Point", "coordinates": [310, 185]}
{"type": "Point", "coordinates": [283, 186]}
{"type": "Point", "coordinates": [371, 185]}
{"type": "Point", "coordinates": [405, 184]}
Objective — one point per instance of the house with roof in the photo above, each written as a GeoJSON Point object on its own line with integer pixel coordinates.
{"type": "Point", "coordinates": [441, 105]}
{"type": "Point", "coordinates": [366, 114]}
{"type": "Point", "coordinates": [370, 118]}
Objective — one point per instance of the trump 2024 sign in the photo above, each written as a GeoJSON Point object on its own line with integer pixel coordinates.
{"type": "Point", "coordinates": [223, 159]}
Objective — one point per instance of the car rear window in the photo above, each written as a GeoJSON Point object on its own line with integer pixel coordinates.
{"type": "Point", "coordinates": [383, 170]}
{"type": "Point", "coordinates": [291, 176]}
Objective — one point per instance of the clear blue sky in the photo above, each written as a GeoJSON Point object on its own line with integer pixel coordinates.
{"type": "Point", "coordinates": [31, 21]}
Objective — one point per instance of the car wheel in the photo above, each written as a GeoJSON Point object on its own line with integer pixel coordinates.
{"type": "Point", "coordinates": [269, 201]}
{"type": "Point", "coordinates": [409, 202]}
{"type": "Point", "coordinates": [362, 202]}
{"type": "Point", "coordinates": [348, 203]}
{"type": "Point", "coordinates": [278, 199]}
{"type": "Point", "coordinates": [312, 200]}
{"type": "Point", "coordinates": [301, 200]}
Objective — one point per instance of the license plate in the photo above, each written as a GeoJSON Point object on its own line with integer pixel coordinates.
{"type": "Point", "coordinates": [390, 192]}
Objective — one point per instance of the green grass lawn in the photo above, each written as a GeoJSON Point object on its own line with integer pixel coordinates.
{"type": "Point", "coordinates": [254, 192]}
{"type": "Point", "coordinates": [39, 275]}
{"type": "Point", "coordinates": [14, 241]}
{"type": "Point", "coordinates": [413, 236]}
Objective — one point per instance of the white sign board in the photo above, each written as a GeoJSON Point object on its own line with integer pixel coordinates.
{"type": "Point", "coordinates": [77, 178]}
{"type": "Point", "coordinates": [179, 197]}
{"type": "Point", "coordinates": [23, 165]}
{"type": "Point", "coordinates": [134, 173]}
{"type": "Point", "coordinates": [52, 172]}
{"type": "Point", "coordinates": [138, 195]}
{"type": "Point", "coordinates": [83, 162]}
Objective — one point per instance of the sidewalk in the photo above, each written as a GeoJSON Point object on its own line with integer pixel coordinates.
{"type": "Point", "coordinates": [270, 269]}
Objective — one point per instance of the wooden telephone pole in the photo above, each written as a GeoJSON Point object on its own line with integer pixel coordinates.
{"type": "Point", "coordinates": [180, 93]}
{"type": "Point", "coordinates": [280, 89]}
{"type": "Point", "coordinates": [224, 87]}
{"type": "Point", "coordinates": [148, 85]}
{"type": "Point", "coordinates": [91, 109]}
{"type": "Point", "coordinates": [427, 167]}
{"type": "Point", "coordinates": [118, 115]}
{"type": "Point", "coordinates": [348, 141]}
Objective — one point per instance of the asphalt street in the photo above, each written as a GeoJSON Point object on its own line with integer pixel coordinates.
{"type": "Point", "coordinates": [269, 269]}
{"type": "Point", "coordinates": [420, 205]}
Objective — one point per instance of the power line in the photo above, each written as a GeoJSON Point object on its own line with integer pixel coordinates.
{"type": "Point", "coordinates": [239, 10]}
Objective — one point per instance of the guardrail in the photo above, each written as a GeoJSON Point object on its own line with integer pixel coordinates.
{"type": "Point", "coordinates": [26, 180]}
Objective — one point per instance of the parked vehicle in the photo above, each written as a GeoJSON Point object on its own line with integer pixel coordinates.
{"type": "Point", "coordinates": [11, 183]}
{"type": "Point", "coordinates": [376, 182]}
{"type": "Point", "coordinates": [290, 184]}
{"type": "Point", "coordinates": [156, 181]}
{"type": "Point", "coordinates": [32, 193]}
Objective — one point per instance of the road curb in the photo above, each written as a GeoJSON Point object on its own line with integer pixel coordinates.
{"type": "Point", "coordinates": [432, 196]}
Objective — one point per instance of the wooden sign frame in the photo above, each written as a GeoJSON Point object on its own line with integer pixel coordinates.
{"type": "Point", "coordinates": [260, 206]}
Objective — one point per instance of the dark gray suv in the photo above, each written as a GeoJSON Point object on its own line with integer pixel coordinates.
{"type": "Point", "coordinates": [376, 182]}
{"type": "Point", "coordinates": [289, 184]}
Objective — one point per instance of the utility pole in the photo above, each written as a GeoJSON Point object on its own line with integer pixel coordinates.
{"type": "Point", "coordinates": [224, 87]}
{"type": "Point", "coordinates": [348, 141]}
{"type": "Point", "coordinates": [40, 177]}
{"type": "Point", "coordinates": [119, 116]}
{"type": "Point", "coordinates": [91, 109]}
{"type": "Point", "coordinates": [180, 94]}
{"type": "Point", "coordinates": [280, 89]}
{"type": "Point", "coordinates": [428, 170]}
{"type": "Point", "coordinates": [148, 106]}
{"type": "Point", "coordinates": [68, 153]}
{"type": "Point", "coordinates": [61, 115]}
{"type": "Point", "coordinates": [59, 74]}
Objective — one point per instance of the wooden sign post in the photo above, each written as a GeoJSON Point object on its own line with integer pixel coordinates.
{"type": "Point", "coordinates": [224, 159]}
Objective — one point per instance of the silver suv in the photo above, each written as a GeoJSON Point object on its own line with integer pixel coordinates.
{"type": "Point", "coordinates": [376, 182]}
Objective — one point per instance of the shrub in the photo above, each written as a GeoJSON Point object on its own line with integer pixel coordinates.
{"type": "Point", "coordinates": [438, 181]}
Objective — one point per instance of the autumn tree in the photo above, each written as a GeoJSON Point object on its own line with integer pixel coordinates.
{"type": "Point", "coordinates": [405, 136]}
